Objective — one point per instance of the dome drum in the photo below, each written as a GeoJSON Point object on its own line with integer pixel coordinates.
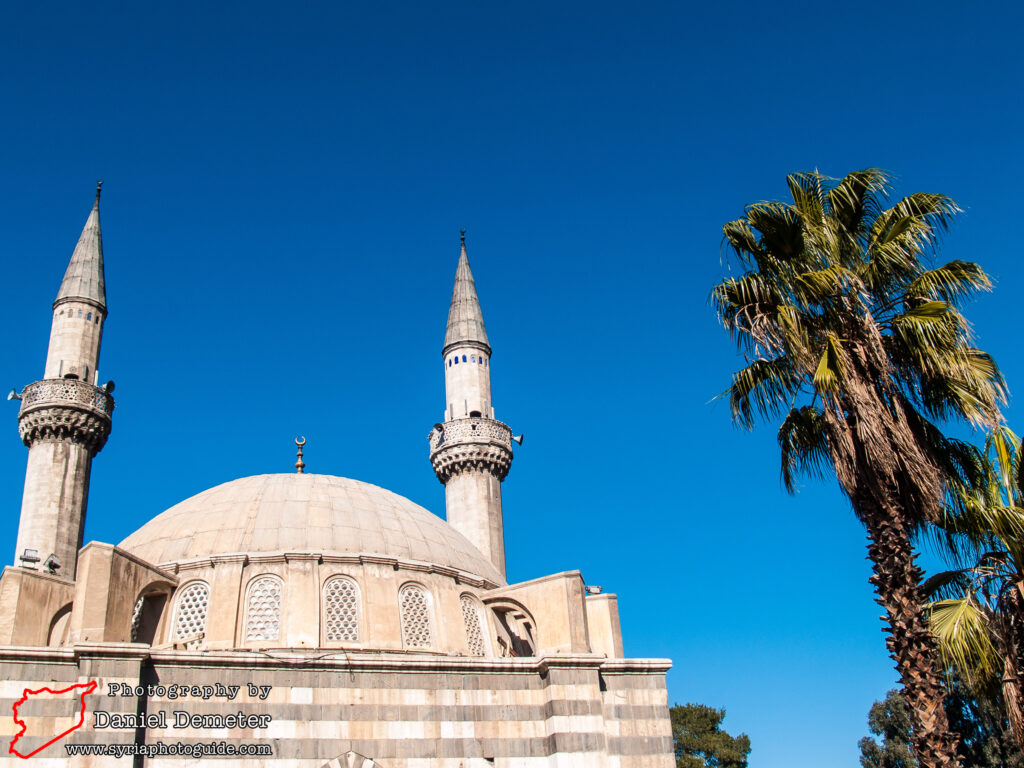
{"type": "Point", "coordinates": [308, 600]}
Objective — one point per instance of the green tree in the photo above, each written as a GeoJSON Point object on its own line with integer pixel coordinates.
{"type": "Point", "coordinates": [986, 739]}
{"type": "Point", "coordinates": [857, 344]}
{"type": "Point", "coordinates": [979, 614]}
{"type": "Point", "coordinates": [700, 741]}
{"type": "Point", "coordinates": [889, 719]}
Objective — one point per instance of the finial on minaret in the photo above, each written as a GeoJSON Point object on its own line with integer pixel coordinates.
{"type": "Point", "coordinates": [99, 188]}
{"type": "Point", "coordinates": [462, 237]}
{"type": "Point", "coordinates": [300, 465]}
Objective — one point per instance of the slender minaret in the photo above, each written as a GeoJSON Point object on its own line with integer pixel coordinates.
{"type": "Point", "coordinates": [471, 451]}
{"type": "Point", "coordinates": [65, 418]}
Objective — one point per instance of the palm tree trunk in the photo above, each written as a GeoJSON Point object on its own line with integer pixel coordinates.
{"type": "Point", "coordinates": [1012, 699]}
{"type": "Point", "coordinates": [897, 582]}
{"type": "Point", "coordinates": [1013, 692]}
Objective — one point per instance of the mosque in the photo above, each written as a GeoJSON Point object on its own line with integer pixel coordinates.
{"type": "Point", "coordinates": [301, 619]}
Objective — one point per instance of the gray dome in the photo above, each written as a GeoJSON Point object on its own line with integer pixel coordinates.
{"type": "Point", "coordinates": [304, 513]}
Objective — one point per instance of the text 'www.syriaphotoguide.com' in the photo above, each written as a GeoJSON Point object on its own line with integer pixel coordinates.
{"type": "Point", "coordinates": [175, 749]}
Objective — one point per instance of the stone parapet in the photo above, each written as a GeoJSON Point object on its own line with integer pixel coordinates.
{"type": "Point", "coordinates": [475, 443]}
{"type": "Point", "coordinates": [65, 409]}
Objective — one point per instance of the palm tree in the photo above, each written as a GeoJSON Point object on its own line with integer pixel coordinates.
{"type": "Point", "coordinates": [979, 621]}
{"type": "Point", "coordinates": [848, 332]}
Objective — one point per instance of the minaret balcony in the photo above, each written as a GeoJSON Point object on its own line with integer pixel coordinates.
{"type": "Point", "coordinates": [66, 392]}
{"type": "Point", "coordinates": [475, 443]}
{"type": "Point", "coordinates": [475, 429]}
{"type": "Point", "coordinates": [65, 409]}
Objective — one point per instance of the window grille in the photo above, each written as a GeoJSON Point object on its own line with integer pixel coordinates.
{"type": "Point", "coordinates": [474, 627]}
{"type": "Point", "coordinates": [416, 625]}
{"type": "Point", "coordinates": [190, 617]}
{"type": "Point", "coordinates": [137, 619]}
{"type": "Point", "coordinates": [341, 610]}
{"type": "Point", "coordinates": [263, 614]}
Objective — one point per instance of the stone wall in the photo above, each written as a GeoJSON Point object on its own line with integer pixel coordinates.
{"type": "Point", "coordinates": [401, 710]}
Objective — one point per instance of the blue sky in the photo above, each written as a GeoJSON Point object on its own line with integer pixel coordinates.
{"type": "Point", "coordinates": [284, 190]}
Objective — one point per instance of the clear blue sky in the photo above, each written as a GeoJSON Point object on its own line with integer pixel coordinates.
{"type": "Point", "coordinates": [284, 190]}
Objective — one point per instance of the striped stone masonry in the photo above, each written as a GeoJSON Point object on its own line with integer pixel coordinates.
{"type": "Point", "coordinates": [563, 711]}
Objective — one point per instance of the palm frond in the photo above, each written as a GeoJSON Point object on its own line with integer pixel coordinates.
{"type": "Point", "coordinates": [1019, 476]}
{"type": "Point", "coordinates": [823, 285]}
{"type": "Point", "coordinates": [901, 237]}
{"type": "Point", "coordinates": [948, 585]}
{"type": "Point", "coordinates": [950, 282]}
{"type": "Point", "coordinates": [808, 196]}
{"type": "Point", "coordinates": [831, 370]}
{"type": "Point", "coordinates": [856, 200]}
{"type": "Point", "coordinates": [740, 300]}
{"type": "Point", "coordinates": [1001, 445]}
{"type": "Point", "coordinates": [781, 235]}
{"type": "Point", "coordinates": [743, 241]}
{"type": "Point", "coordinates": [763, 388]}
{"type": "Point", "coordinates": [804, 445]}
{"type": "Point", "coordinates": [963, 632]}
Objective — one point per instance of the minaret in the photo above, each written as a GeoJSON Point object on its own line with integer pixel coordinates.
{"type": "Point", "coordinates": [471, 452]}
{"type": "Point", "coordinates": [65, 418]}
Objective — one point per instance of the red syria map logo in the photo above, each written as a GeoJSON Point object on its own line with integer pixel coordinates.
{"type": "Point", "coordinates": [84, 690]}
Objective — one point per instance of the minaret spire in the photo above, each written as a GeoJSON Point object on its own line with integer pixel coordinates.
{"type": "Point", "coordinates": [84, 278]}
{"type": "Point", "coordinates": [65, 417]}
{"type": "Point", "coordinates": [471, 451]}
{"type": "Point", "coordinates": [465, 318]}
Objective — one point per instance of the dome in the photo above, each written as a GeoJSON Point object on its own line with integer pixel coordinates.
{"type": "Point", "coordinates": [304, 513]}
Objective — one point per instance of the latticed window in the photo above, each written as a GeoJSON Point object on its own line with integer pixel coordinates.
{"type": "Point", "coordinates": [190, 616]}
{"type": "Point", "coordinates": [263, 613]}
{"type": "Point", "coordinates": [341, 610]}
{"type": "Point", "coordinates": [416, 623]}
{"type": "Point", "coordinates": [137, 619]}
{"type": "Point", "coordinates": [474, 626]}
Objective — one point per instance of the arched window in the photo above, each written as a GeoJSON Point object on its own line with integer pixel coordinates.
{"type": "Point", "coordinates": [473, 619]}
{"type": "Point", "coordinates": [341, 610]}
{"type": "Point", "coordinates": [456, 359]}
{"type": "Point", "coordinates": [449, 363]}
{"type": "Point", "coordinates": [189, 611]}
{"type": "Point", "coordinates": [463, 358]}
{"type": "Point", "coordinates": [263, 609]}
{"type": "Point", "coordinates": [417, 621]}
{"type": "Point", "coordinates": [472, 358]}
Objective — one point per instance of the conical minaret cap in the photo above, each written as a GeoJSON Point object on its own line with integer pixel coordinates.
{"type": "Point", "coordinates": [465, 320]}
{"type": "Point", "coordinates": [84, 276]}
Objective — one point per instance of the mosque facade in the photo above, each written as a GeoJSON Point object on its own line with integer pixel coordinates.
{"type": "Point", "coordinates": [301, 619]}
